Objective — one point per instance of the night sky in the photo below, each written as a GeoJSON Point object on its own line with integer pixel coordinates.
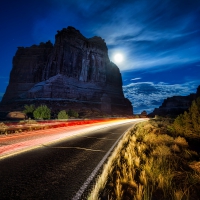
{"type": "Point", "coordinates": [159, 40]}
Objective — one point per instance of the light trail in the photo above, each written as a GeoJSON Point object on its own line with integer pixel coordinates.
{"type": "Point", "coordinates": [17, 143]}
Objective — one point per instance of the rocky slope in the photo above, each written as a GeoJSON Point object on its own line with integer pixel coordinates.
{"type": "Point", "coordinates": [74, 73]}
{"type": "Point", "coordinates": [175, 105]}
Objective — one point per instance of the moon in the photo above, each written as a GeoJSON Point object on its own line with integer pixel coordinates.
{"type": "Point", "coordinates": [118, 58]}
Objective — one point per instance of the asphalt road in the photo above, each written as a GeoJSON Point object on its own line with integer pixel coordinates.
{"type": "Point", "coordinates": [57, 170]}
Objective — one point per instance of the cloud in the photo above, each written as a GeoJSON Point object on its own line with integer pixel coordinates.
{"type": "Point", "coordinates": [149, 34]}
{"type": "Point", "coordinates": [134, 79]}
{"type": "Point", "coordinates": [151, 53]}
{"type": "Point", "coordinates": [149, 95]}
{"type": "Point", "coordinates": [154, 34]}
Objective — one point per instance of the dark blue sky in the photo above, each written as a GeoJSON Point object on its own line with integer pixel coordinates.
{"type": "Point", "coordinates": [160, 40]}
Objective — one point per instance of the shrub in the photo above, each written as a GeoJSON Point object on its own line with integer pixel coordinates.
{"type": "Point", "coordinates": [63, 115]}
{"type": "Point", "coordinates": [189, 122]}
{"type": "Point", "coordinates": [42, 112]}
{"type": "Point", "coordinates": [73, 113]}
{"type": "Point", "coordinates": [29, 109]}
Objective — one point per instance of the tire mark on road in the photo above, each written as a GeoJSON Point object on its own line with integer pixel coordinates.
{"type": "Point", "coordinates": [97, 138]}
{"type": "Point", "coordinates": [80, 148]}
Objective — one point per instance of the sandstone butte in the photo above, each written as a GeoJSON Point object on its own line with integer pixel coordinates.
{"type": "Point", "coordinates": [74, 73]}
{"type": "Point", "coordinates": [176, 105]}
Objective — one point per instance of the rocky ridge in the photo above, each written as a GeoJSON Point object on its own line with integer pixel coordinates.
{"type": "Point", "coordinates": [175, 105]}
{"type": "Point", "coordinates": [73, 73]}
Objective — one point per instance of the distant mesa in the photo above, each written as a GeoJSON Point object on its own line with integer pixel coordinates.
{"type": "Point", "coordinates": [143, 114]}
{"type": "Point", "coordinates": [173, 106]}
{"type": "Point", "coordinates": [73, 73]}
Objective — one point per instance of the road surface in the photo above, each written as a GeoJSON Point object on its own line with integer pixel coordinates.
{"type": "Point", "coordinates": [58, 167]}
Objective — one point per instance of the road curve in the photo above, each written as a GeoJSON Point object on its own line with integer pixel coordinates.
{"type": "Point", "coordinates": [58, 169]}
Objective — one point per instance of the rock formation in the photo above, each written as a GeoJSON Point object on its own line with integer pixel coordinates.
{"type": "Point", "coordinates": [175, 105]}
{"type": "Point", "coordinates": [16, 115]}
{"type": "Point", "coordinates": [75, 72]}
{"type": "Point", "coordinates": [143, 114]}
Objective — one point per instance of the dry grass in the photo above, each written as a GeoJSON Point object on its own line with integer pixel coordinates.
{"type": "Point", "coordinates": [149, 164]}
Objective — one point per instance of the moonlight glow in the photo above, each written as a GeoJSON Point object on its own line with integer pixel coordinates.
{"type": "Point", "coordinates": [118, 58]}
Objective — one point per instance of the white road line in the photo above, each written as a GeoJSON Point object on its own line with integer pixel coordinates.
{"type": "Point", "coordinates": [92, 175]}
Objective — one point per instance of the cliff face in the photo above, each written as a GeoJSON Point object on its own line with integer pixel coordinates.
{"type": "Point", "coordinates": [74, 69]}
{"type": "Point", "coordinates": [28, 65]}
{"type": "Point", "coordinates": [175, 105]}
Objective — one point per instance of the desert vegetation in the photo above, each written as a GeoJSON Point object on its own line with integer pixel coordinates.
{"type": "Point", "coordinates": [63, 115]}
{"type": "Point", "coordinates": [156, 159]}
{"type": "Point", "coordinates": [28, 110]}
{"type": "Point", "coordinates": [43, 112]}
{"type": "Point", "coordinates": [188, 124]}
{"type": "Point", "coordinates": [40, 112]}
{"type": "Point", "coordinates": [72, 113]}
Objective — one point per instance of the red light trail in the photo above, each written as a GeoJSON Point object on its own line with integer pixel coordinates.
{"type": "Point", "coordinates": [18, 142]}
